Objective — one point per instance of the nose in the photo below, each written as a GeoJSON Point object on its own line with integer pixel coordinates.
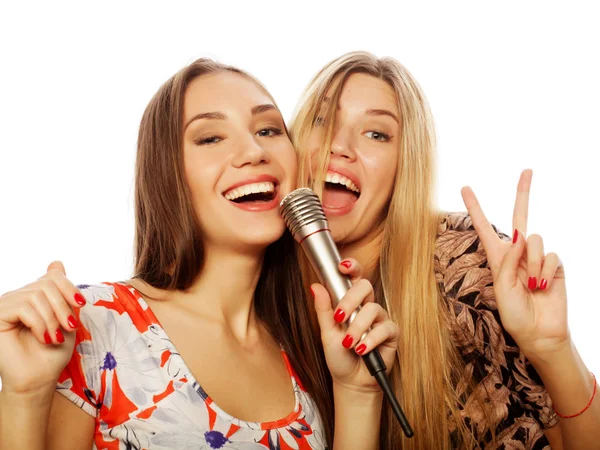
{"type": "Point", "coordinates": [251, 153]}
{"type": "Point", "coordinates": [342, 145]}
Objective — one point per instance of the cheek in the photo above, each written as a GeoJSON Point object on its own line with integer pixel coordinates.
{"type": "Point", "coordinates": [315, 141]}
{"type": "Point", "coordinates": [288, 160]}
{"type": "Point", "coordinates": [201, 175]}
{"type": "Point", "coordinates": [382, 168]}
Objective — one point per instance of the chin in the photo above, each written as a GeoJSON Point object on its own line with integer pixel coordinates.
{"type": "Point", "coordinates": [261, 237]}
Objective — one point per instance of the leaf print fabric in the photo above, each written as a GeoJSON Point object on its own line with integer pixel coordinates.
{"type": "Point", "coordinates": [521, 407]}
{"type": "Point", "coordinates": [126, 373]}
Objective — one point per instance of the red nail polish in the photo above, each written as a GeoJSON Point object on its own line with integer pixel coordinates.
{"type": "Point", "coordinates": [312, 292]}
{"type": "Point", "coordinates": [347, 264]}
{"type": "Point", "coordinates": [339, 316]}
{"type": "Point", "coordinates": [79, 299]}
{"type": "Point", "coordinates": [543, 284]}
{"type": "Point", "coordinates": [47, 338]}
{"type": "Point", "coordinates": [59, 336]}
{"type": "Point", "coordinates": [515, 236]}
{"type": "Point", "coordinates": [361, 349]}
{"type": "Point", "coordinates": [73, 323]}
{"type": "Point", "coordinates": [532, 283]}
{"type": "Point", "coordinates": [347, 342]}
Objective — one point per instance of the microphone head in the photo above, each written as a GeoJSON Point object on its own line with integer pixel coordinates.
{"type": "Point", "coordinates": [303, 213]}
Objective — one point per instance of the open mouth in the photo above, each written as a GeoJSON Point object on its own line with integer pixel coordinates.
{"type": "Point", "coordinates": [340, 192]}
{"type": "Point", "coordinates": [254, 193]}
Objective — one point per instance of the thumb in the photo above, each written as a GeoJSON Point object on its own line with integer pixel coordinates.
{"type": "Point", "coordinates": [323, 308]}
{"type": "Point", "coordinates": [510, 263]}
{"type": "Point", "coordinates": [57, 265]}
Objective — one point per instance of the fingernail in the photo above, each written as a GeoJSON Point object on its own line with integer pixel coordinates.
{"type": "Point", "coordinates": [312, 292]}
{"type": "Point", "coordinates": [339, 316]}
{"type": "Point", "coordinates": [47, 338]}
{"type": "Point", "coordinates": [79, 299]}
{"type": "Point", "coordinates": [73, 322]}
{"type": "Point", "coordinates": [361, 349]}
{"type": "Point", "coordinates": [59, 336]}
{"type": "Point", "coordinates": [515, 236]}
{"type": "Point", "coordinates": [347, 264]}
{"type": "Point", "coordinates": [347, 342]}
{"type": "Point", "coordinates": [532, 283]}
{"type": "Point", "coordinates": [543, 284]}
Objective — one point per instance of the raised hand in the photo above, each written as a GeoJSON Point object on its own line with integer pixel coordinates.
{"type": "Point", "coordinates": [342, 346]}
{"type": "Point", "coordinates": [36, 331]}
{"type": "Point", "coordinates": [529, 285]}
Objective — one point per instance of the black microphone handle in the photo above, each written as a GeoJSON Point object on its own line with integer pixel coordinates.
{"type": "Point", "coordinates": [376, 366]}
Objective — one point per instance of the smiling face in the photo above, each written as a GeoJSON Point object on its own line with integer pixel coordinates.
{"type": "Point", "coordinates": [364, 157]}
{"type": "Point", "coordinates": [239, 162]}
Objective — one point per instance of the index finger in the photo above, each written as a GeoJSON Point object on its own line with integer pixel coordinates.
{"type": "Point", "coordinates": [521, 211]}
{"type": "Point", "coordinates": [68, 290]}
{"type": "Point", "coordinates": [484, 229]}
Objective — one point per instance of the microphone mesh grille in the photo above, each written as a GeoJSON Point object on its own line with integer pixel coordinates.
{"type": "Point", "coordinates": [300, 208]}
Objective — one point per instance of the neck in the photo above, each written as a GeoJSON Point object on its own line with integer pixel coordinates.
{"type": "Point", "coordinates": [366, 251]}
{"type": "Point", "coordinates": [224, 290]}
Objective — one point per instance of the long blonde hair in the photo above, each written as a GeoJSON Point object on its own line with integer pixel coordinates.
{"type": "Point", "coordinates": [428, 367]}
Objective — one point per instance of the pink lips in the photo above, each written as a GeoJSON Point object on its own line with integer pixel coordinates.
{"type": "Point", "coordinates": [256, 207]}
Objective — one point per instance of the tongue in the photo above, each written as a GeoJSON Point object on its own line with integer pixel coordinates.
{"type": "Point", "coordinates": [337, 197]}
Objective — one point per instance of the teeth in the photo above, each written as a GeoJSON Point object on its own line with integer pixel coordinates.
{"type": "Point", "coordinates": [333, 177]}
{"type": "Point", "coordinates": [248, 189]}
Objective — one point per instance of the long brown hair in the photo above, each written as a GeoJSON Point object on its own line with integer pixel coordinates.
{"type": "Point", "coordinates": [168, 240]}
{"type": "Point", "coordinates": [428, 367]}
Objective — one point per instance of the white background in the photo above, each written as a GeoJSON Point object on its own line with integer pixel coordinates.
{"type": "Point", "coordinates": [512, 85]}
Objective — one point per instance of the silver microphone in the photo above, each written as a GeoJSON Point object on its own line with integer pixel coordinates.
{"type": "Point", "coordinates": [303, 215]}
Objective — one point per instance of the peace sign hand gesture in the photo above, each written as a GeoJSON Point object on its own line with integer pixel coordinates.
{"type": "Point", "coordinates": [529, 285]}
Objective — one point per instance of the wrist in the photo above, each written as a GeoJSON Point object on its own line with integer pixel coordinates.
{"type": "Point", "coordinates": [359, 396]}
{"type": "Point", "coordinates": [554, 356]}
{"type": "Point", "coordinates": [36, 398]}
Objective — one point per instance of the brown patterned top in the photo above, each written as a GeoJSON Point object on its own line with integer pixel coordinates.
{"type": "Point", "coordinates": [521, 406]}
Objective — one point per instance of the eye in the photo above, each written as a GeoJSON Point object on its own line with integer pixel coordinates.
{"type": "Point", "coordinates": [208, 140]}
{"type": "Point", "coordinates": [378, 136]}
{"type": "Point", "coordinates": [269, 132]}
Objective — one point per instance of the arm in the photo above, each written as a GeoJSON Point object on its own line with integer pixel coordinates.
{"type": "Point", "coordinates": [356, 410]}
{"type": "Point", "coordinates": [357, 395]}
{"type": "Point", "coordinates": [570, 385]}
{"type": "Point", "coordinates": [43, 421]}
{"type": "Point", "coordinates": [24, 419]}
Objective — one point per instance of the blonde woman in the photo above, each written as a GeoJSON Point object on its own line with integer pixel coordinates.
{"type": "Point", "coordinates": [485, 357]}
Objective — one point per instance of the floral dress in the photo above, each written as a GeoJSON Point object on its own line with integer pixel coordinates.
{"type": "Point", "coordinates": [126, 373]}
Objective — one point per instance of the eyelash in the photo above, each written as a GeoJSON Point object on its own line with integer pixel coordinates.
{"type": "Point", "coordinates": [276, 131]}
{"type": "Point", "coordinates": [215, 139]}
{"type": "Point", "coordinates": [386, 137]}
{"type": "Point", "coordinates": [208, 140]}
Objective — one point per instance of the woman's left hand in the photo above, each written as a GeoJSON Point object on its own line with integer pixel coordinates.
{"type": "Point", "coordinates": [344, 346]}
{"type": "Point", "coordinates": [529, 284]}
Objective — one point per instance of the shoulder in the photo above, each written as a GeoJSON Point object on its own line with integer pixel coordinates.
{"type": "Point", "coordinates": [110, 307]}
{"type": "Point", "coordinates": [460, 260]}
{"type": "Point", "coordinates": [465, 284]}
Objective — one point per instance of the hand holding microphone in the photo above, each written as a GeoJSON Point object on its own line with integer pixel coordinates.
{"type": "Point", "coordinates": [368, 324]}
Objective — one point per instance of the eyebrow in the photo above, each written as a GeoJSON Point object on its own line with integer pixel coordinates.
{"type": "Point", "coordinates": [215, 115]}
{"type": "Point", "coordinates": [374, 112]}
{"type": "Point", "coordinates": [383, 112]}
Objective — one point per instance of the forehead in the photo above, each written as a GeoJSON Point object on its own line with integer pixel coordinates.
{"type": "Point", "coordinates": [369, 92]}
{"type": "Point", "coordinates": [223, 91]}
